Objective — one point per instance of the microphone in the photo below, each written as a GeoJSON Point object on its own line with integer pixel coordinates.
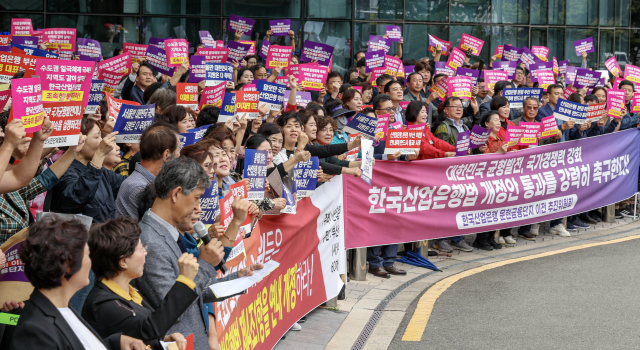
{"type": "Point", "coordinates": [203, 234]}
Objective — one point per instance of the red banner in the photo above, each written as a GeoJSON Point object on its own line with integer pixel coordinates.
{"type": "Point", "coordinates": [308, 275]}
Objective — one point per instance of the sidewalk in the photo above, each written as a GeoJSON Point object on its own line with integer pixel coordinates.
{"type": "Point", "coordinates": [373, 309]}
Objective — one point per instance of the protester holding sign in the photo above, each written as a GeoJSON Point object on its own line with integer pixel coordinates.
{"type": "Point", "coordinates": [430, 146]}
{"type": "Point", "coordinates": [87, 187]}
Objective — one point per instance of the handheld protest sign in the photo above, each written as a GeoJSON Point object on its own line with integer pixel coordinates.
{"type": "Point", "coordinates": [516, 96]}
{"type": "Point", "coordinates": [89, 49]}
{"type": "Point", "coordinates": [210, 204]}
{"type": "Point", "coordinates": [198, 70]}
{"type": "Point", "coordinates": [271, 94]}
{"type": "Point", "coordinates": [157, 58]}
{"type": "Point", "coordinates": [366, 166]}
{"type": "Point", "coordinates": [114, 105]}
{"type": "Point", "coordinates": [378, 43]}
{"type": "Point", "coordinates": [373, 59]}
{"type": "Point", "coordinates": [549, 127]}
{"type": "Point", "coordinates": [131, 122]}
{"type": "Point", "coordinates": [27, 103]}
{"type": "Point", "coordinates": [62, 39]}
{"type": "Point", "coordinates": [305, 178]}
{"type": "Point", "coordinates": [312, 51]}
{"type": "Point", "coordinates": [468, 42]}
{"type": "Point", "coordinates": [247, 104]}
{"type": "Point", "coordinates": [67, 77]}
{"type": "Point", "coordinates": [137, 51]}
{"type": "Point", "coordinates": [206, 39]}
{"type": "Point", "coordinates": [237, 51]}
{"type": "Point", "coordinates": [530, 135]}
{"type": "Point", "coordinates": [405, 141]}
{"type": "Point", "coordinates": [445, 46]}
{"type": "Point", "coordinates": [507, 66]}
{"type": "Point", "coordinates": [393, 33]}
{"type": "Point", "coordinates": [460, 87]}
{"type": "Point", "coordinates": [111, 80]}
{"type": "Point", "coordinates": [21, 27]}
{"type": "Point", "coordinates": [213, 55]}
{"type": "Point", "coordinates": [119, 64]}
{"type": "Point", "coordinates": [570, 111]}
{"type": "Point", "coordinates": [584, 45]}
{"type": "Point", "coordinates": [212, 95]}
{"type": "Point", "coordinates": [279, 56]}
{"type": "Point", "coordinates": [244, 25]}
{"type": "Point", "coordinates": [187, 95]}
{"type": "Point", "coordinates": [67, 121]}
{"type": "Point", "coordinates": [462, 143]}
{"type": "Point", "coordinates": [228, 109]}
{"type": "Point", "coordinates": [363, 124]}
{"type": "Point", "coordinates": [255, 169]}
{"type": "Point", "coordinates": [382, 126]}
{"type": "Point", "coordinates": [177, 51]}
{"type": "Point", "coordinates": [478, 136]}
{"type": "Point", "coordinates": [218, 73]}
{"type": "Point", "coordinates": [514, 133]}
{"type": "Point", "coordinates": [280, 27]}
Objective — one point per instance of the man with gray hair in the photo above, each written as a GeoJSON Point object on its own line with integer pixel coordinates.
{"type": "Point", "coordinates": [178, 188]}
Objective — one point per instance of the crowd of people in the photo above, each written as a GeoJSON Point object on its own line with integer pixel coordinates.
{"type": "Point", "coordinates": [138, 277]}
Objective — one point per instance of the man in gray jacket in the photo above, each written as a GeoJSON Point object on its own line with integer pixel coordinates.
{"type": "Point", "coordinates": [178, 188]}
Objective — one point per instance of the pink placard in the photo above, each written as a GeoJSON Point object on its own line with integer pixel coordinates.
{"type": "Point", "coordinates": [556, 68]}
{"type": "Point", "coordinates": [118, 64]}
{"type": "Point", "coordinates": [545, 78]}
{"type": "Point", "coordinates": [404, 104]}
{"type": "Point", "coordinates": [632, 73]}
{"type": "Point", "coordinates": [615, 103]}
{"type": "Point", "coordinates": [383, 125]}
{"type": "Point", "coordinates": [137, 51]}
{"type": "Point", "coordinates": [567, 92]}
{"type": "Point", "coordinates": [312, 77]}
{"type": "Point", "coordinates": [530, 135]}
{"type": "Point", "coordinates": [541, 51]}
{"type": "Point", "coordinates": [470, 42]}
{"type": "Point", "coordinates": [212, 96]}
{"type": "Point", "coordinates": [514, 133]}
{"type": "Point", "coordinates": [177, 51]}
{"type": "Point", "coordinates": [456, 59]}
{"type": "Point", "coordinates": [279, 56]}
{"type": "Point", "coordinates": [549, 127]}
{"type": "Point", "coordinates": [612, 66]}
{"type": "Point", "coordinates": [459, 87]}
{"type": "Point", "coordinates": [440, 88]}
{"type": "Point", "coordinates": [63, 39]}
{"type": "Point", "coordinates": [21, 27]}
{"type": "Point", "coordinates": [491, 77]}
{"type": "Point", "coordinates": [393, 66]}
{"type": "Point", "coordinates": [111, 80]}
{"type": "Point", "coordinates": [375, 73]}
{"type": "Point", "coordinates": [69, 80]}
{"type": "Point", "coordinates": [498, 52]}
{"type": "Point", "coordinates": [217, 55]}
{"type": "Point", "coordinates": [27, 103]}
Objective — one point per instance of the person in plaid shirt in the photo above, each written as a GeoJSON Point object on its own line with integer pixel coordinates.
{"type": "Point", "coordinates": [14, 206]}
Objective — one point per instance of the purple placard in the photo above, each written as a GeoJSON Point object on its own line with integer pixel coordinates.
{"type": "Point", "coordinates": [471, 73]}
{"type": "Point", "coordinates": [198, 70]}
{"type": "Point", "coordinates": [507, 66]}
{"type": "Point", "coordinates": [157, 58]}
{"type": "Point", "coordinates": [585, 77]}
{"type": "Point", "coordinates": [562, 67]}
{"type": "Point", "coordinates": [393, 33]}
{"type": "Point", "coordinates": [28, 41]}
{"type": "Point", "coordinates": [584, 45]}
{"type": "Point", "coordinates": [245, 25]}
{"type": "Point", "coordinates": [441, 67]}
{"type": "Point", "coordinates": [302, 98]}
{"type": "Point", "coordinates": [511, 53]}
{"type": "Point", "coordinates": [409, 69]}
{"type": "Point", "coordinates": [157, 42]}
{"type": "Point", "coordinates": [374, 59]}
{"type": "Point", "coordinates": [89, 49]}
{"type": "Point", "coordinates": [571, 75]}
{"type": "Point", "coordinates": [264, 49]}
{"type": "Point", "coordinates": [462, 144]}
{"type": "Point", "coordinates": [280, 27]}
{"type": "Point", "coordinates": [528, 57]}
{"type": "Point", "coordinates": [377, 43]}
{"type": "Point", "coordinates": [237, 51]}
{"type": "Point", "coordinates": [479, 136]}
{"type": "Point", "coordinates": [316, 51]}
{"type": "Point", "coordinates": [206, 39]}
{"type": "Point", "coordinates": [13, 270]}
{"type": "Point", "coordinates": [539, 66]}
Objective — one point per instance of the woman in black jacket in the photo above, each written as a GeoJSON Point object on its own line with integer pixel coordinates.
{"type": "Point", "coordinates": [113, 306]}
{"type": "Point", "coordinates": [56, 261]}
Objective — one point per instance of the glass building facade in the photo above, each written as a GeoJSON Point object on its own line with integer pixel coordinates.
{"type": "Point", "coordinates": [347, 24]}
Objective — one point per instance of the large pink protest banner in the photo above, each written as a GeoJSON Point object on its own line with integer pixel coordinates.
{"type": "Point", "coordinates": [428, 199]}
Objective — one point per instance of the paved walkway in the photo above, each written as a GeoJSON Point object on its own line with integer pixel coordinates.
{"type": "Point", "coordinates": [363, 322]}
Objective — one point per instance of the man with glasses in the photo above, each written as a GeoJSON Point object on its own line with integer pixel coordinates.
{"type": "Point", "coordinates": [159, 144]}
{"type": "Point", "coordinates": [519, 80]}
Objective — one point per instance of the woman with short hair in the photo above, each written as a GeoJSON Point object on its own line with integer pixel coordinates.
{"type": "Point", "coordinates": [56, 261]}
{"type": "Point", "coordinates": [114, 306]}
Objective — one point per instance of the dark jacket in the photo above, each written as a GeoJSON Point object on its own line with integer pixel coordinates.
{"type": "Point", "coordinates": [83, 189]}
{"type": "Point", "coordinates": [109, 313]}
{"type": "Point", "coordinates": [42, 326]}
{"type": "Point", "coordinates": [486, 107]}
{"type": "Point", "coordinates": [132, 92]}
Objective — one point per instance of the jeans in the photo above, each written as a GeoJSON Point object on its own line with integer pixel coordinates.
{"type": "Point", "coordinates": [388, 258]}
{"type": "Point", "coordinates": [77, 300]}
{"type": "Point", "coordinates": [408, 247]}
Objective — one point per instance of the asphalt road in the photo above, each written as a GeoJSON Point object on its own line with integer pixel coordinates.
{"type": "Point", "coordinates": [585, 299]}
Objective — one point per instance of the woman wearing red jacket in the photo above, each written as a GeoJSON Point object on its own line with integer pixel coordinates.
{"type": "Point", "coordinates": [500, 104]}
{"type": "Point", "coordinates": [431, 146]}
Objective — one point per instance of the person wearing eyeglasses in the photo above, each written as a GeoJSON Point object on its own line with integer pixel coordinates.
{"type": "Point", "coordinates": [519, 79]}
{"type": "Point", "coordinates": [531, 106]}
{"type": "Point", "coordinates": [113, 306]}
